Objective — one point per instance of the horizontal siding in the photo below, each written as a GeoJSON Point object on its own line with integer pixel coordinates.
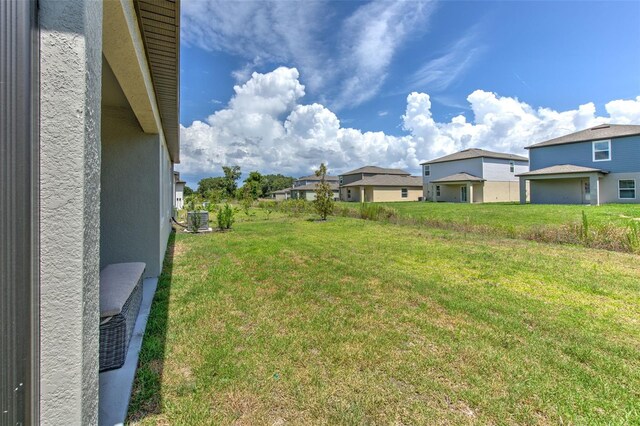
{"type": "Point", "coordinates": [473, 166]}
{"type": "Point", "coordinates": [625, 155]}
{"type": "Point", "coordinates": [495, 169]}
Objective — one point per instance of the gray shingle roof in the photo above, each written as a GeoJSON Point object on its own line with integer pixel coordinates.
{"type": "Point", "coordinates": [459, 177]}
{"type": "Point", "coordinates": [312, 187]}
{"type": "Point", "coordinates": [387, 180]}
{"type": "Point", "coordinates": [476, 153]}
{"type": "Point", "coordinates": [562, 169]}
{"type": "Point", "coordinates": [378, 170]}
{"type": "Point", "coordinates": [282, 191]}
{"type": "Point", "coordinates": [603, 131]}
{"type": "Point", "coordinates": [314, 177]}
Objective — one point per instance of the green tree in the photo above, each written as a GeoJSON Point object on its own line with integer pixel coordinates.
{"type": "Point", "coordinates": [253, 186]}
{"type": "Point", "coordinates": [231, 176]}
{"type": "Point", "coordinates": [211, 184]}
{"type": "Point", "coordinates": [272, 183]}
{"type": "Point", "coordinates": [324, 195]}
{"type": "Point", "coordinates": [187, 191]}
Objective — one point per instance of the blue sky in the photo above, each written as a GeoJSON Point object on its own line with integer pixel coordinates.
{"type": "Point", "coordinates": [535, 69]}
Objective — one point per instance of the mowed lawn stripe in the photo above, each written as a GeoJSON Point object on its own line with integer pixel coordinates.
{"type": "Point", "coordinates": [352, 322]}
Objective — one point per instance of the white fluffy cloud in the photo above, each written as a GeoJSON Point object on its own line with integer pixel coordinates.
{"type": "Point", "coordinates": [305, 33]}
{"type": "Point", "coordinates": [266, 127]}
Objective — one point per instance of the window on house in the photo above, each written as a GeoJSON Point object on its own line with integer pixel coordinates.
{"type": "Point", "coordinates": [626, 189]}
{"type": "Point", "coordinates": [437, 190]}
{"type": "Point", "coordinates": [427, 170]}
{"type": "Point", "coordinates": [340, 180]}
{"type": "Point", "coordinates": [405, 192]}
{"type": "Point", "coordinates": [602, 150]}
{"type": "Point", "coordinates": [512, 166]}
{"type": "Point", "coordinates": [348, 193]}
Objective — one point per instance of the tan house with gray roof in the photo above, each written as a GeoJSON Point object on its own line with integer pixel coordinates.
{"type": "Point", "coordinates": [474, 176]}
{"type": "Point", "coordinates": [378, 184]}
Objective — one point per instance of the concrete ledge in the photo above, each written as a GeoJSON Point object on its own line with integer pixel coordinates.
{"type": "Point", "coordinates": [116, 385]}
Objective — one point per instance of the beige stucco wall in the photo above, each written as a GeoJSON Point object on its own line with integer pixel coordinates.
{"type": "Point", "coordinates": [392, 193]}
{"type": "Point", "coordinates": [70, 75]}
{"type": "Point", "coordinates": [495, 192]}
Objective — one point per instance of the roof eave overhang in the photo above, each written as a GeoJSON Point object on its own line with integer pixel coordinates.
{"type": "Point", "coordinates": [159, 22]}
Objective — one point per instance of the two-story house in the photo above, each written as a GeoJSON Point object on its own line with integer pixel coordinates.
{"type": "Point", "coordinates": [592, 166]}
{"type": "Point", "coordinates": [378, 184]}
{"type": "Point", "coordinates": [473, 176]}
{"type": "Point", "coordinates": [305, 187]}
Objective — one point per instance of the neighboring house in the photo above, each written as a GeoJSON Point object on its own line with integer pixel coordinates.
{"type": "Point", "coordinates": [88, 149]}
{"type": "Point", "coordinates": [473, 176]}
{"type": "Point", "coordinates": [305, 187]}
{"type": "Point", "coordinates": [281, 195]}
{"type": "Point", "coordinates": [592, 166]}
{"type": "Point", "coordinates": [178, 190]}
{"type": "Point", "coordinates": [377, 184]}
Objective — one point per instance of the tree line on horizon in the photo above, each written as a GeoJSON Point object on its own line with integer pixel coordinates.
{"type": "Point", "coordinates": [255, 186]}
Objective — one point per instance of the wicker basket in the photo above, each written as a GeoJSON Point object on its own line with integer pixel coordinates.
{"type": "Point", "coordinates": [116, 331]}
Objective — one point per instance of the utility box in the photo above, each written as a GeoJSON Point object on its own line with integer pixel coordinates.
{"type": "Point", "coordinates": [198, 219]}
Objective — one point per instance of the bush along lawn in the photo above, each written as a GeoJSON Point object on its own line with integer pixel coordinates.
{"type": "Point", "coordinates": [293, 321]}
{"type": "Point", "coordinates": [608, 227]}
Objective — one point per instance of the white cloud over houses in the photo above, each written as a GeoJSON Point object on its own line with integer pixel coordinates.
{"type": "Point", "coordinates": [267, 127]}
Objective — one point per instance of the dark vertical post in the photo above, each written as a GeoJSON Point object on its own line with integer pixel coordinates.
{"type": "Point", "coordinates": [19, 277]}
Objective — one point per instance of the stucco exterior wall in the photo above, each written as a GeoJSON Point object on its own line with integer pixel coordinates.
{"type": "Point", "coordinates": [355, 194]}
{"type": "Point", "coordinates": [389, 193]}
{"type": "Point", "coordinates": [556, 191]}
{"type": "Point", "coordinates": [496, 192]}
{"type": "Point", "coordinates": [451, 193]}
{"type": "Point", "coordinates": [136, 193]}
{"type": "Point", "coordinates": [609, 188]}
{"type": "Point", "coordinates": [70, 66]}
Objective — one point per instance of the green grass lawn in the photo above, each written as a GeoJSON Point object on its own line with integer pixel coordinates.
{"type": "Point", "coordinates": [519, 217]}
{"type": "Point", "coordinates": [290, 321]}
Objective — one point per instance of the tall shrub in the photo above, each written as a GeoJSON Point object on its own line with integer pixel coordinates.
{"type": "Point", "coordinates": [324, 195]}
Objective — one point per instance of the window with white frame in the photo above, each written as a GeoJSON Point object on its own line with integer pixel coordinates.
{"type": "Point", "coordinates": [427, 170]}
{"type": "Point", "coordinates": [512, 166]}
{"type": "Point", "coordinates": [626, 189]}
{"type": "Point", "coordinates": [437, 190]}
{"type": "Point", "coordinates": [602, 150]}
{"type": "Point", "coordinates": [340, 180]}
{"type": "Point", "coordinates": [405, 192]}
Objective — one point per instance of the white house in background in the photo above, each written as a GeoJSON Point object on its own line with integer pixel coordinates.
{"type": "Point", "coordinates": [473, 176]}
{"type": "Point", "coordinates": [592, 166]}
{"type": "Point", "coordinates": [92, 136]}
{"type": "Point", "coordinates": [178, 190]}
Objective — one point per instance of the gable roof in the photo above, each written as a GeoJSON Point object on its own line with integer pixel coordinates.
{"type": "Point", "coordinates": [562, 169]}
{"type": "Point", "coordinates": [476, 153]}
{"type": "Point", "coordinates": [458, 177]}
{"type": "Point", "coordinates": [602, 131]}
{"type": "Point", "coordinates": [314, 177]}
{"type": "Point", "coordinates": [387, 180]}
{"type": "Point", "coordinates": [313, 187]}
{"type": "Point", "coordinates": [377, 170]}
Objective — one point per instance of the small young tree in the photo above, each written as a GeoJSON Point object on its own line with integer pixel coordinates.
{"type": "Point", "coordinates": [324, 195]}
